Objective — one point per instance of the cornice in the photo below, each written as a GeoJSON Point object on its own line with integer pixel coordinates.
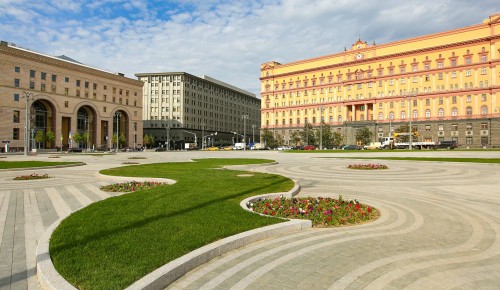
{"type": "Point", "coordinates": [385, 57]}
{"type": "Point", "coordinates": [66, 65]}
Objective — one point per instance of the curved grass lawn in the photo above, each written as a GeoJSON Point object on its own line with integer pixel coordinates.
{"type": "Point", "coordinates": [114, 242]}
{"type": "Point", "coordinates": [31, 164]}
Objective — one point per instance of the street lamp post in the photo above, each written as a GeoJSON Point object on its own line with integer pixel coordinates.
{"type": "Point", "coordinates": [87, 129]}
{"type": "Point", "coordinates": [29, 97]}
{"type": "Point", "coordinates": [253, 133]}
{"type": "Point", "coordinates": [203, 136]}
{"type": "Point", "coordinates": [245, 118]}
{"type": "Point", "coordinates": [117, 115]}
{"type": "Point", "coordinates": [321, 128]}
{"type": "Point", "coordinates": [135, 133]}
{"type": "Point", "coordinates": [409, 95]}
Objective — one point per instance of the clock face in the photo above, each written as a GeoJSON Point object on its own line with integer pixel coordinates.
{"type": "Point", "coordinates": [359, 56]}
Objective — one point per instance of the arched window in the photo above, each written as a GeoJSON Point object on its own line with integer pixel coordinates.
{"type": "Point", "coordinates": [331, 119]}
{"type": "Point", "coordinates": [339, 119]}
{"type": "Point", "coordinates": [403, 115]}
{"type": "Point", "coordinates": [291, 121]}
{"type": "Point", "coordinates": [468, 111]}
{"type": "Point", "coordinates": [276, 122]}
{"type": "Point", "coordinates": [267, 122]}
{"type": "Point", "coordinates": [427, 113]}
{"type": "Point", "coordinates": [484, 110]}
{"type": "Point", "coordinates": [440, 112]}
{"type": "Point", "coordinates": [380, 116]}
{"type": "Point", "coordinates": [466, 86]}
{"type": "Point", "coordinates": [415, 114]}
{"type": "Point", "coordinates": [314, 120]}
{"type": "Point", "coordinates": [454, 112]}
{"type": "Point", "coordinates": [298, 121]}
{"type": "Point", "coordinates": [391, 115]}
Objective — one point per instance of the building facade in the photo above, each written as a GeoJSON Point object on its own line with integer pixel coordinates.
{"type": "Point", "coordinates": [447, 84]}
{"type": "Point", "coordinates": [180, 107]}
{"type": "Point", "coordinates": [62, 96]}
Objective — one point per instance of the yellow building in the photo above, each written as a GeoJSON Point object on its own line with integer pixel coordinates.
{"type": "Point", "coordinates": [46, 95]}
{"type": "Point", "coordinates": [446, 83]}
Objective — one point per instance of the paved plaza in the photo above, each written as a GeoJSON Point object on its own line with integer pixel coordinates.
{"type": "Point", "coordinates": [439, 228]}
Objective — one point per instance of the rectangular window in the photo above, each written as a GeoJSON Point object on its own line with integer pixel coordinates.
{"type": "Point", "coordinates": [17, 69]}
{"type": "Point", "coordinates": [453, 74]}
{"type": "Point", "coordinates": [468, 73]}
{"type": "Point", "coordinates": [484, 140]}
{"type": "Point", "coordinates": [15, 133]}
{"type": "Point", "coordinates": [483, 98]}
{"type": "Point", "coordinates": [53, 88]}
{"type": "Point", "coordinates": [104, 109]}
{"type": "Point", "coordinates": [440, 64]}
{"type": "Point", "coordinates": [454, 99]}
{"type": "Point", "coordinates": [66, 104]}
{"type": "Point", "coordinates": [440, 101]}
{"type": "Point", "coordinates": [440, 127]}
{"type": "Point", "coordinates": [391, 105]}
{"type": "Point", "coordinates": [16, 97]}
{"type": "Point", "coordinates": [42, 87]}
{"type": "Point", "coordinates": [32, 73]}
{"type": "Point", "coordinates": [427, 102]}
{"type": "Point", "coordinates": [77, 93]}
{"type": "Point", "coordinates": [483, 71]}
{"type": "Point", "coordinates": [469, 98]}
{"type": "Point", "coordinates": [468, 126]}
{"type": "Point", "coordinates": [54, 78]}
{"type": "Point", "coordinates": [66, 79]}
{"type": "Point", "coordinates": [43, 76]}
{"type": "Point", "coordinates": [86, 85]}
{"type": "Point", "coordinates": [94, 86]}
{"type": "Point", "coordinates": [415, 79]}
{"type": "Point", "coordinates": [468, 140]}
{"type": "Point", "coordinates": [66, 91]}
{"type": "Point", "coordinates": [454, 127]}
{"type": "Point", "coordinates": [32, 85]}
{"type": "Point", "coordinates": [16, 83]}
{"type": "Point", "coordinates": [440, 76]}
{"type": "Point", "coordinates": [16, 116]}
{"type": "Point", "coordinates": [77, 83]}
{"type": "Point", "coordinates": [484, 126]}
{"type": "Point", "coordinates": [427, 127]}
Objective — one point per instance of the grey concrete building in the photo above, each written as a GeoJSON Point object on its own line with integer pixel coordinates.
{"type": "Point", "coordinates": [181, 108]}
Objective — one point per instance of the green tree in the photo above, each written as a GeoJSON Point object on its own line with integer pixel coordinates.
{"type": "Point", "coordinates": [307, 135]}
{"type": "Point", "coordinates": [50, 137]}
{"type": "Point", "coordinates": [39, 137]}
{"type": "Point", "coordinates": [268, 138]}
{"type": "Point", "coordinates": [364, 135]}
{"type": "Point", "coordinates": [85, 136]}
{"type": "Point", "coordinates": [122, 140]}
{"type": "Point", "coordinates": [148, 140]}
{"type": "Point", "coordinates": [295, 138]}
{"type": "Point", "coordinates": [326, 135]}
{"type": "Point", "coordinates": [337, 139]}
{"type": "Point", "coordinates": [77, 138]}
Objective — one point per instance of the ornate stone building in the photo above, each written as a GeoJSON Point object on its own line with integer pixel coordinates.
{"type": "Point", "coordinates": [63, 96]}
{"type": "Point", "coordinates": [446, 83]}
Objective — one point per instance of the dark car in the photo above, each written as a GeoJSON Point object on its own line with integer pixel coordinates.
{"type": "Point", "coordinates": [75, 150]}
{"type": "Point", "coordinates": [351, 147]}
{"type": "Point", "coordinates": [446, 145]}
{"type": "Point", "coordinates": [309, 147]}
{"type": "Point", "coordinates": [298, 148]}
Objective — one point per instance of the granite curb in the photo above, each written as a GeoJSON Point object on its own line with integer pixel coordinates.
{"type": "Point", "coordinates": [44, 167]}
{"type": "Point", "coordinates": [160, 278]}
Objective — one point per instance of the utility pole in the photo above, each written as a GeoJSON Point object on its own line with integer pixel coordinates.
{"type": "Point", "coordinates": [244, 117]}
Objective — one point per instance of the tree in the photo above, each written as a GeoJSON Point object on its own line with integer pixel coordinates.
{"type": "Point", "coordinates": [295, 138]}
{"type": "Point", "coordinates": [122, 140]}
{"type": "Point", "coordinates": [77, 138]}
{"type": "Point", "coordinates": [148, 140]}
{"type": "Point", "coordinates": [268, 138]}
{"type": "Point", "coordinates": [85, 136]}
{"type": "Point", "coordinates": [326, 135]}
{"type": "Point", "coordinates": [50, 137]}
{"type": "Point", "coordinates": [337, 139]}
{"type": "Point", "coordinates": [364, 135]}
{"type": "Point", "coordinates": [307, 135]}
{"type": "Point", "coordinates": [39, 137]}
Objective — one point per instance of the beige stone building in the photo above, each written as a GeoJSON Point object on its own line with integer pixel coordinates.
{"type": "Point", "coordinates": [179, 107]}
{"type": "Point", "coordinates": [67, 98]}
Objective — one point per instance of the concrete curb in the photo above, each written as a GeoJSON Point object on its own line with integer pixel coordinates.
{"type": "Point", "coordinates": [45, 167]}
{"type": "Point", "coordinates": [160, 278]}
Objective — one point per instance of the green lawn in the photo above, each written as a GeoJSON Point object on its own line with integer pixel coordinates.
{"type": "Point", "coordinates": [28, 164]}
{"type": "Point", "coordinates": [472, 160]}
{"type": "Point", "coordinates": [114, 242]}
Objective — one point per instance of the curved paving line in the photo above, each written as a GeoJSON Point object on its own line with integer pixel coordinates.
{"type": "Point", "coordinates": [49, 278]}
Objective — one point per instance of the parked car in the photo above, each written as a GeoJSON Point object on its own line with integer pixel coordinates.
{"type": "Point", "coordinates": [298, 148]}
{"type": "Point", "coordinates": [213, 148]}
{"type": "Point", "coordinates": [351, 147]}
{"type": "Point", "coordinates": [446, 145]}
{"type": "Point", "coordinates": [309, 147]}
{"type": "Point", "coordinates": [372, 146]}
{"type": "Point", "coordinates": [75, 150]}
{"type": "Point", "coordinates": [160, 149]}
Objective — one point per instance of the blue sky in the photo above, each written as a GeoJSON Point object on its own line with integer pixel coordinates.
{"type": "Point", "coordinates": [227, 40]}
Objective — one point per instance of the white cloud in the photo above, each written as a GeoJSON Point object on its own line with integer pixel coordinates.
{"type": "Point", "coordinates": [225, 39]}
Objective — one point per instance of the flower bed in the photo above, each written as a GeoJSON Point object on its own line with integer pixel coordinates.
{"type": "Point", "coordinates": [321, 211]}
{"type": "Point", "coordinates": [130, 186]}
{"type": "Point", "coordinates": [137, 157]}
{"type": "Point", "coordinates": [130, 162]}
{"type": "Point", "coordinates": [367, 166]}
{"type": "Point", "coordinates": [31, 177]}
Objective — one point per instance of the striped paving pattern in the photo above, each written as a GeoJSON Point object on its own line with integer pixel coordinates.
{"type": "Point", "coordinates": [439, 229]}
{"type": "Point", "coordinates": [27, 208]}
{"type": "Point", "coordinates": [440, 225]}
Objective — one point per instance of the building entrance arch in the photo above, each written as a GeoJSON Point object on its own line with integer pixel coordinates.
{"type": "Point", "coordinates": [85, 126]}
{"type": "Point", "coordinates": [42, 124]}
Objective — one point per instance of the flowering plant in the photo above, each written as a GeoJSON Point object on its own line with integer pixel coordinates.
{"type": "Point", "coordinates": [367, 166]}
{"type": "Point", "coordinates": [137, 157]}
{"type": "Point", "coordinates": [130, 186]}
{"type": "Point", "coordinates": [129, 162]}
{"type": "Point", "coordinates": [31, 176]}
{"type": "Point", "coordinates": [321, 211]}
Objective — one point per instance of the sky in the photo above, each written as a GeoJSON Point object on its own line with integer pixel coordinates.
{"type": "Point", "coordinates": [224, 39]}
